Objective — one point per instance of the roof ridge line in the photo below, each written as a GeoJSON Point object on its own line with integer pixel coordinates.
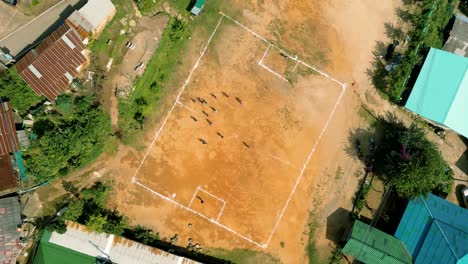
{"type": "Point", "coordinates": [455, 95]}
{"type": "Point", "coordinates": [435, 220]}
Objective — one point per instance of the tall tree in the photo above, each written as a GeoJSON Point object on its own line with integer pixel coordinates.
{"type": "Point", "coordinates": [410, 162]}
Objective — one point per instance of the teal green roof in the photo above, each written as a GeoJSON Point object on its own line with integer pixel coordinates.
{"type": "Point", "coordinates": [435, 231]}
{"type": "Point", "coordinates": [49, 253]}
{"type": "Point", "coordinates": [441, 90]}
{"type": "Point", "coordinates": [200, 3]}
{"type": "Point", "coordinates": [372, 246]}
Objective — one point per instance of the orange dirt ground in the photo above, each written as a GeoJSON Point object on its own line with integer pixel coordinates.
{"type": "Point", "coordinates": [264, 139]}
{"type": "Point", "coordinates": [279, 121]}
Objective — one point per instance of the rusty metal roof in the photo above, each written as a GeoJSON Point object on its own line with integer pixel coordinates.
{"type": "Point", "coordinates": [7, 176]}
{"type": "Point", "coordinates": [8, 139]}
{"type": "Point", "coordinates": [47, 68]}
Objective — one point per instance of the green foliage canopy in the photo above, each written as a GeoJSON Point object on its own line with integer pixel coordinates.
{"type": "Point", "coordinates": [68, 140]}
{"type": "Point", "coordinates": [410, 162]}
{"type": "Point", "coordinates": [15, 90]}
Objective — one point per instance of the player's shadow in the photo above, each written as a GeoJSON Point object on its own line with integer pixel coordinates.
{"type": "Point", "coordinates": [338, 225]}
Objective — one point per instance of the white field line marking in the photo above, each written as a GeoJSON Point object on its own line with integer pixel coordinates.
{"type": "Point", "coordinates": [43, 13]}
{"type": "Point", "coordinates": [272, 71]}
{"type": "Point", "coordinates": [264, 54]}
{"type": "Point", "coordinates": [220, 213]}
{"type": "Point", "coordinates": [295, 66]}
{"type": "Point", "coordinates": [199, 214]}
{"type": "Point", "coordinates": [193, 197]}
{"type": "Point", "coordinates": [266, 67]}
{"type": "Point", "coordinates": [295, 58]}
{"type": "Point", "coordinates": [158, 132]}
{"type": "Point", "coordinates": [307, 162]}
{"type": "Point", "coordinates": [188, 108]}
{"type": "Point", "coordinates": [212, 195]}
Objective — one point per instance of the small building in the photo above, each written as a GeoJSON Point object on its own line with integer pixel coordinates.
{"type": "Point", "coordinates": [196, 9]}
{"type": "Point", "coordinates": [10, 224]}
{"type": "Point", "coordinates": [9, 144]}
{"type": "Point", "coordinates": [441, 91]}
{"type": "Point", "coordinates": [50, 67]}
{"type": "Point", "coordinates": [435, 231]}
{"type": "Point", "coordinates": [97, 14]}
{"type": "Point", "coordinates": [372, 246]}
{"type": "Point", "coordinates": [80, 245]}
{"type": "Point", "coordinates": [457, 42]}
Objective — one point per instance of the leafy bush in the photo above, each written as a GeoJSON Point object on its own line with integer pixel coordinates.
{"type": "Point", "coordinates": [69, 140]}
{"type": "Point", "coordinates": [15, 90]}
{"type": "Point", "coordinates": [149, 86]}
{"type": "Point", "coordinates": [428, 22]}
{"type": "Point", "coordinates": [410, 162]}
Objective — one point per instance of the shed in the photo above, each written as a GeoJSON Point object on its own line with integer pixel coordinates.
{"type": "Point", "coordinates": [196, 9]}
{"type": "Point", "coordinates": [7, 176]}
{"type": "Point", "coordinates": [372, 246]}
{"type": "Point", "coordinates": [97, 13]}
{"type": "Point", "coordinates": [435, 231]}
{"type": "Point", "coordinates": [441, 91]}
{"type": "Point", "coordinates": [80, 245]}
{"type": "Point", "coordinates": [457, 42]}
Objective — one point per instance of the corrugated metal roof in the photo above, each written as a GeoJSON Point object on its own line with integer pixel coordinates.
{"type": "Point", "coordinates": [10, 217]}
{"type": "Point", "coordinates": [7, 175]}
{"type": "Point", "coordinates": [441, 90]}
{"type": "Point", "coordinates": [57, 54]}
{"type": "Point", "coordinates": [434, 230]}
{"type": "Point", "coordinates": [458, 40]}
{"type": "Point", "coordinates": [96, 12]}
{"type": "Point", "coordinates": [372, 246]}
{"type": "Point", "coordinates": [8, 138]}
{"type": "Point", "coordinates": [78, 238]}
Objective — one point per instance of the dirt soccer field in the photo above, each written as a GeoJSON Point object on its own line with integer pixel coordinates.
{"type": "Point", "coordinates": [237, 140]}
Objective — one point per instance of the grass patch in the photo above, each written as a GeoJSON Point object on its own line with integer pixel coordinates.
{"type": "Point", "coordinates": [243, 256]}
{"type": "Point", "coordinates": [100, 49]}
{"type": "Point", "coordinates": [311, 249]}
{"type": "Point", "coordinates": [368, 116]}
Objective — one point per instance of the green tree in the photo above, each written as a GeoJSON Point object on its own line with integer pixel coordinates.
{"type": "Point", "coordinates": [410, 162]}
{"type": "Point", "coordinates": [74, 210]}
{"type": "Point", "coordinates": [15, 90]}
{"type": "Point", "coordinates": [97, 222]}
{"type": "Point", "coordinates": [58, 226]}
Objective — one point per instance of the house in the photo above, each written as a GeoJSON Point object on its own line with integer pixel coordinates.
{"type": "Point", "coordinates": [196, 9]}
{"type": "Point", "coordinates": [10, 227]}
{"type": "Point", "coordinates": [50, 67]}
{"type": "Point", "coordinates": [97, 13]}
{"type": "Point", "coordinates": [80, 245]}
{"type": "Point", "coordinates": [372, 246]}
{"type": "Point", "coordinates": [435, 231]}
{"type": "Point", "coordinates": [441, 91]}
{"type": "Point", "coordinates": [9, 144]}
{"type": "Point", "coordinates": [457, 42]}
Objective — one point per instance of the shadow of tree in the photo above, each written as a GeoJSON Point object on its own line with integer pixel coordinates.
{"type": "Point", "coordinates": [394, 32]}
{"type": "Point", "coordinates": [405, 15]}
{"type": "Point", "coordinates": [377, 73]}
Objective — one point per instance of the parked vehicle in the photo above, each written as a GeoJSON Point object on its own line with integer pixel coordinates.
{"type": "Point", "coordinates": [464, 194]}
{"type": "Point", "coordinates": [11, 2]}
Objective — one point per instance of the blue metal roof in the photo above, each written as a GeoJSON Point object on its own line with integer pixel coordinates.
{"type": "Point", "coordinates": [434, 230]}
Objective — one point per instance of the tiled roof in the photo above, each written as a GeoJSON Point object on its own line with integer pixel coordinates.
{"type": "Point", "coordinates": [48, 68]}
{"type": "Point", "coordinates": [8, 139]}
{"type": "Point", "coordinates": [434, 230]}
{"type": "Point", "coordinates": [372, 246]}
{"type": "Point", "coordinates": [458, 40]}
{"type": "Point", "coordinates": [10, 217]}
